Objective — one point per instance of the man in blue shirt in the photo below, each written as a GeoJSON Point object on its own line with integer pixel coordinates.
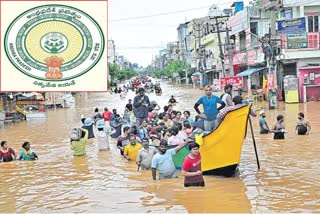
{"type": "Point", "coordinates": [264, 128]}
{"type": "Point", "coordinates": [209, 103]}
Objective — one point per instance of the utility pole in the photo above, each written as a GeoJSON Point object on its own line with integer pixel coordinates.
{"type": "Point", "coordinates": [220, 45]}
{"type": "Point", "coordinates": [219, 40]}
{"type": "Point", "coordinates": [229, 54]}
{"type": "Point", "coordinates": [269, 47]}
{"type": "Point", "coordinates": [272, 32]}
{"type": "Point", "coordinates": [200, 57]}
{"type": "Point", "coordinates": [199, 54]}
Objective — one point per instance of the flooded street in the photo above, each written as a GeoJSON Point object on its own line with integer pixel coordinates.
{"type": "Point", "coordinates": [288, 181]}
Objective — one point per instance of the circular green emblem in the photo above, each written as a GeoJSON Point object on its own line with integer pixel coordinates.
{"type": "Point", "coordinates": [54, 42]}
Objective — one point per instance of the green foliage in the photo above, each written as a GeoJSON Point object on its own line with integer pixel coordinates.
{"type": "Point", "coordinates": [169, 70]}
{"type": "Point", "coordinates": [125, 74]}
{"type": "Point", "coordinates": [117, 74]}
{"type": "Point", "coordinates": [113, 69]}
{"type": "Point", "coordinates": [153, 72]}
{"type": "Point", "coordinates": [176, 66]}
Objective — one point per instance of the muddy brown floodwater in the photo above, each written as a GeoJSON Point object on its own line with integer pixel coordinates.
{"type": "Point", "coordinates": [288, 181]}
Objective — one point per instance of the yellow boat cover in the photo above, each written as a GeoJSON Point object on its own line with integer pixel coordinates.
{"type": "Point", "coordinates": [222, 147]}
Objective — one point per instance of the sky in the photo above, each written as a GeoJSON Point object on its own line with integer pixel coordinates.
{"type": "Point", "coordinates": [140, 39]}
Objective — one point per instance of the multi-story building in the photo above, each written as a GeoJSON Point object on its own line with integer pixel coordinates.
{"type": "Point", "coordinates": [206, 56]}
{"type": "Point", "coordinates": [293, 43]}
{"type": "Point", "coordinates": [184, 39]}
{"type": "Point", "coordinates": [247, 56]}
{"type": "Point", "coordinates": [123, 63]}
{"type": "Point", "coordinates": [173, 51]}
{"type": "Point", "coordinates": [196, 28]}
{"type": "Point", "coordinates": [111, 52]}
{"type": "Point", "coordinates": [299, 28]}
{"type": "Point", "coordinates": [163, 59]}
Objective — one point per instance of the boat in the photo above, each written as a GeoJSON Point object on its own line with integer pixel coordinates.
{"type": "Point", "coordinates": [221, 148]}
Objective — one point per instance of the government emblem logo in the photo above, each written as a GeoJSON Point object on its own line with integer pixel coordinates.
{"type": "Point", "coordinates": [54, 42]}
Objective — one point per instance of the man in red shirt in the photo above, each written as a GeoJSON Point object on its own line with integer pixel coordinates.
{"type": "Point", "coordinates": [191, 167]}
{"type": "Point", "coordinates": [106, 115]}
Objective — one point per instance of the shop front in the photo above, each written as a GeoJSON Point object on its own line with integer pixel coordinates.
{"type": "Point", "coordinates": [309, 83]}
{"type": "Point", "coordinates": [252, 79]}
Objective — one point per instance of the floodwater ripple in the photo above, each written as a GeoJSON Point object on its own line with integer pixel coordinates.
{"type": "Point", "coordinates": [288, 181]}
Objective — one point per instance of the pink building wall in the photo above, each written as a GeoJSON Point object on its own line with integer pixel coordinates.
{"type": "Point", "coordinates": [311, 92]}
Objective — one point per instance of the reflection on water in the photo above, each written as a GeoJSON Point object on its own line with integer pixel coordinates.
{"type": "Point", "coordinates": [289, 179]}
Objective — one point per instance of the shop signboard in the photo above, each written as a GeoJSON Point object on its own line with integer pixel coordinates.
{"type": "Point", "coordinates": [296, 25]}
{"type": "Point", "coordinates": [239, 22]}
{"type": "Point", "coordinates": [270, 81]}
{"type": "Point", "coordinates": [216, 85]}
{"type": "Point", "coordinates": [297, 40]}
{"type": "Point", "coordinates": [236, 82]}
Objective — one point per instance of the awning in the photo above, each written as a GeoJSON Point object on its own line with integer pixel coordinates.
{"type": "Point", "coordinates": [196, 74]}
{"type": "Point", "coordinates": [210, 70]}
{"type": "Point", "coordinates": [249, 72]}
{"type": "Point", "coordinates": [309, 67]}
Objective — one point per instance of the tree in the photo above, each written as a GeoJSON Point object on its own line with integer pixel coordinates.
{"type": "Point", "coordinates": [117, 74]}
{"type": "Point", "coordinates": [176, 66]}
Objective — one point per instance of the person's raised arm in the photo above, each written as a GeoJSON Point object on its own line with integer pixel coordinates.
{"type": "Point", "coordinates": [180, 146]}
{"type": "Point", "coordinates": [86, 133]}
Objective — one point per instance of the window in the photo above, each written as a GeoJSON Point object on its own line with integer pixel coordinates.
{"type": "Point", "coordinates": [242, 41]}
{"type": "Point", "coordinates": [313, 41]}
{"type": "Point", "coordinates": [286, 13]}
{"type": "Point", "coordinates": [313, 23]}
{"type": "Point", "coordinates": [232, 43]}
{"type": "Point", "coordinates": [254, 34]}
